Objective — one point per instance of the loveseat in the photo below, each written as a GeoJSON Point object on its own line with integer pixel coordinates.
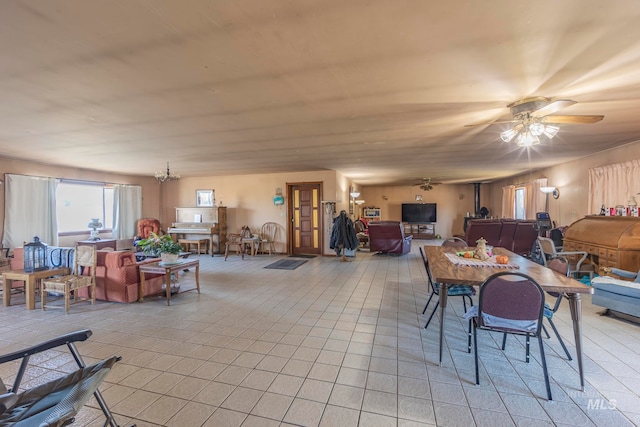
{"type": "Point", "coordinates": [388, 237]}
{"type": "Point", "coordinates": [518, 236]}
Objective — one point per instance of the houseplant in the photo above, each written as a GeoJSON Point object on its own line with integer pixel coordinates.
{"type": "Point", "coordinates": [162, 246]}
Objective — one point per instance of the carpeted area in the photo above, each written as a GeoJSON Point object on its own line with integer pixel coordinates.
{"type": "Point", "coordinates": [302, 256]}
{"type": "Point", "coordinates": [286, 264]}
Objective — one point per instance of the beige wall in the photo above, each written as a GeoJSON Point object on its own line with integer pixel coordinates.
{"type": "Point", "coordinates": [572, 180]}
{"type": "Point", "coordinates": [453, 202]}
{"type": "Point", "coordinates": [249, 198]}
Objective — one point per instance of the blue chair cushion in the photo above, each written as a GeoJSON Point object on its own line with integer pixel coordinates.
{"type": "Point", "coordinates": [548, 312]}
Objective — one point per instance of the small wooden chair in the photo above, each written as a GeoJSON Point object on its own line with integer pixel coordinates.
{"type": "Point", "coordinates": [85, 257]}
{"type": "Point", "coordinates": [234, 239]}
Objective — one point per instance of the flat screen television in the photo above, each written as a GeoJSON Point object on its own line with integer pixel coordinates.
{"type": "Point", "coordinates": [419, 212]}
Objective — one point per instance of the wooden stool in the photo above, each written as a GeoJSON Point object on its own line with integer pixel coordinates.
{"type": "Point", "coordinates": [186, 243]}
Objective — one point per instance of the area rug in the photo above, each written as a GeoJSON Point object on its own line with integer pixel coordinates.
{"type": "Point", "coordinates": [286, 264]}
{"type": "Point", "coordinates": [302, 256]}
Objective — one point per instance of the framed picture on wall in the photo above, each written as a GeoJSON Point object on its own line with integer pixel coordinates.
{"type": "Point", "coordinates": [205, 198]}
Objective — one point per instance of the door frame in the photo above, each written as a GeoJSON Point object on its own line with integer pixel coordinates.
{"type": "Point", "coordinates": [289, 219]}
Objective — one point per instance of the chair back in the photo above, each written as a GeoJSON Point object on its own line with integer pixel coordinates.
{"type": "Point", "coordinates": [455, 242]}
{"type": "Point", "coordinates": [548, 249]}
{"type": "Point", "coordinates": [429, 277]}
{"type": "Point", "coordinates": [268, 231]}
{"type": "Point", "coordinates": [246, 232]}
{"type": "Point", "coordinates": [359, 226]}
{"type": "Point", "coordinates": [146, 226]}
{"type": "Point", "coordinates": [85, 257]}
{"type": "Point", "coordinates": [511, 302]}
{"type": "Point", "coordinates": [559, 265]}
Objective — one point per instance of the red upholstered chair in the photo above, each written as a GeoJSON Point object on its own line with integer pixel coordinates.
{"type": "Point", "coordinates": [489, 229]}
{"type": "Point", "coordinates": [388, 237]}
{"type": "Point", "coordinates": [146, 226]}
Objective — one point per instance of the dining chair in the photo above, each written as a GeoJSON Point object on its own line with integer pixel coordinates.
{"type": "Point", "coordinates": [234, 240]}
{"type": "Point", "coordinates": [559, 265]}
{"type": "Point", "coordinates": [576, 259]}
{"type": "Point", "coordinates": [82, 276]}
{"type": "Point", "coordinates": [464, 291]}
{"type": "Point", "coordinates": [513, 303]}
{"type": "Point", "coordinates": [455, 242]}
{"type": "Point", "coordinates": [268, 234]}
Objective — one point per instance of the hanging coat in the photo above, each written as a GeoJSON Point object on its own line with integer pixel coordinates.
{"type": "Point", "coordinates": [343, 234]}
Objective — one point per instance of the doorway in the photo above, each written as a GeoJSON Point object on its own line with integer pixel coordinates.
{"type": "Point", "coordinates": [305, 214]}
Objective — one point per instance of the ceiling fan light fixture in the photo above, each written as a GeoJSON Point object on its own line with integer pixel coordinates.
{"type": "Point", "coordinates": [527, 139]}
{"type": "Point", "coordinates": [536, 129]}
{"type": "Point", "coordinates": [508, 135]}
{"type": "Point", "coordinates": [551, 131]}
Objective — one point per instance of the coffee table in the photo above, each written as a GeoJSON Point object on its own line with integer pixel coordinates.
{"type": "Point", "coordinates": [168, 269]}
{"type": "Point", "coordinates": [30, 280]}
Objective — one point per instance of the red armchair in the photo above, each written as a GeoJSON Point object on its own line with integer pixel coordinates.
{"type": "Point", "coordinates": [388, 237]}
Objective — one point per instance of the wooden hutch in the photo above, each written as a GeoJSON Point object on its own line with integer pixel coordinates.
{"type": "Point", "coordinates": [610, 241]}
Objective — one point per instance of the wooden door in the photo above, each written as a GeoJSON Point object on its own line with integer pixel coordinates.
{"type": "Point", "coordinates": [306, 222]}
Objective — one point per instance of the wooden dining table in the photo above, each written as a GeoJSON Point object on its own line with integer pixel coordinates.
{"type": "Point", "coordinates": [446, 273]}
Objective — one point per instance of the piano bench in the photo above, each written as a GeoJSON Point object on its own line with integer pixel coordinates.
{"type": "Point", "coordinates": [186, 244]}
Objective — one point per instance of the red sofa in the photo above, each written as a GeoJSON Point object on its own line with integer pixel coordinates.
{"type": "Point", "coordinates": [388, 237]}
{"type": "Point", "coordinates": [518, 236]}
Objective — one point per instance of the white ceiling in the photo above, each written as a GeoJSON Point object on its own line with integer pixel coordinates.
{"type": "Point", "coordinates": [378, 90]}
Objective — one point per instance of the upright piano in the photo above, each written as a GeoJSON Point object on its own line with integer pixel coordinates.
{"type": "Point", "coordinates": [196, 223]}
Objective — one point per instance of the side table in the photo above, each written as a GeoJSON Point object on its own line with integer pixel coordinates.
{"type": "Point", "coordinates": [30, 280]}
{"type": "Point", "coordinates": [167, 269]}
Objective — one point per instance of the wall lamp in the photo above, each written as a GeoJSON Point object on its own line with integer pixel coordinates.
{"type": "Point", "coordinates": [549, 190]}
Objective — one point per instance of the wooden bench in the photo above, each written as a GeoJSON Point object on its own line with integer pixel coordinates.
{"type": "Point", "coordinates": [186, 244]}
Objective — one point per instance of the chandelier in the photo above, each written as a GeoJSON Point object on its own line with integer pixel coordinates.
{"type": "Point", "coordinates": [528, 131]}
{"type": "Point", "coordinates": [166, 176]}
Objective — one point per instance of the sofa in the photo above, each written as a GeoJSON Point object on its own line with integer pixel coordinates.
{"type": "Point", "coordinates": [117, 272]}
{"type": "Point", "coordinates": [388, 237]}
{"type": "Point", "coordinates": [618, 295]}
{"type": "Point", "coordinates": [518, 236]}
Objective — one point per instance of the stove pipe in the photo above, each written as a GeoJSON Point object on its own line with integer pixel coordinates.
{"type": "Point", "coordinates": [476, 198]}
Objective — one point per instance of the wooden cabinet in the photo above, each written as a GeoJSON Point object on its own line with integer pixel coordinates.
{"type": "Point", "coordinates": [610, 241]}
{"type": "Point", "coordinates": [420, 231]}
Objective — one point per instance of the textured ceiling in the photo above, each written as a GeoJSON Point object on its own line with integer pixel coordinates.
{"type": "Point", "coordinates": [377, 90]}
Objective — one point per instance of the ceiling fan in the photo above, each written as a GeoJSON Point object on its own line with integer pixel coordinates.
{"type": "Point", "coordinates": [426, 184]}
{"type": "Point", "coordinates": [534, 117]}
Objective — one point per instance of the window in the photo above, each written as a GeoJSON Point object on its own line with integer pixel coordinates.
{"type": "Point", "coordinates": [519, 204]}
{"type": "Point", "coordinates": [77, 203]}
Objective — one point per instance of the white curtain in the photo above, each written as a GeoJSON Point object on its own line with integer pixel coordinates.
{"type": "Point", "coordinates": [127, 209]}
{"type": "Point", "coordinates": [29, 210]}
{"type": "Point", "coordinates": [613, 185]}
{"type": "Point", "coordinates": [534, 199]}
{"type": "Point", "coordinates": [508, 201]}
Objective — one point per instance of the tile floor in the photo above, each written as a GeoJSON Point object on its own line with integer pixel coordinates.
{"type": "Point", "coordinates": [328, 344]}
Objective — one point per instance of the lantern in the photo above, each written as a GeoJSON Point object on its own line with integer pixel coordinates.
{"type": "Point", "coordinates": [35, 256]}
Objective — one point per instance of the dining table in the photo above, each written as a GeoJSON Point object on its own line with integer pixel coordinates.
{"type": "Point", "coordinates": [447, 270]}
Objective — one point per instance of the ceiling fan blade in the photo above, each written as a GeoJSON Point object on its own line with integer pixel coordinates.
{"type": "Point", "coordinates": [497, 122]}
{"type": "Point", "coordinates": [552, 107]}
{"type": "Point", "coordinates": [579, 120]}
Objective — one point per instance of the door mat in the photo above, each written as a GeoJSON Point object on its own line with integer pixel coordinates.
{"type": "Point", "coordinates": [286, 264]}
{"type": "Point", "coordinates": [302, 256]}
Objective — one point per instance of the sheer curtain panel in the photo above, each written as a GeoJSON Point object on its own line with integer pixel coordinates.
{"type": "Point", "coordinates": [29, 210]}
{"type": "Point", "coordinates": [508, 201]}
{"type": "Point", "coordinates": [613, 185]}
{"type": "Point", "coordinates": [127, 209]}
{"type": "Point", "coordinates": [534, 198]}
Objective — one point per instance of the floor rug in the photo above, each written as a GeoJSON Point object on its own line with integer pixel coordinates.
{"type": "Point", "coordinates": [286, 264]}
{"type": "Point", "coordinates": [302, 256]}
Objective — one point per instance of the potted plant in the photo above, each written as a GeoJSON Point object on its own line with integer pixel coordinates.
{"type": "Point", "coordinates": [162, 246]}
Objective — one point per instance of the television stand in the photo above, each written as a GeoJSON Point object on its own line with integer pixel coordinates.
{"type": "Point", "coordinates": [423, 230]}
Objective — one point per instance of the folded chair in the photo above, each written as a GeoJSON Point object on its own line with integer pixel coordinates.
{"type": "Point", "coordinates": [56, 402]}
{"type": "Point", "coordinates": [464, 291]}
{"type": "Point", "coordinates": [512, 303]}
